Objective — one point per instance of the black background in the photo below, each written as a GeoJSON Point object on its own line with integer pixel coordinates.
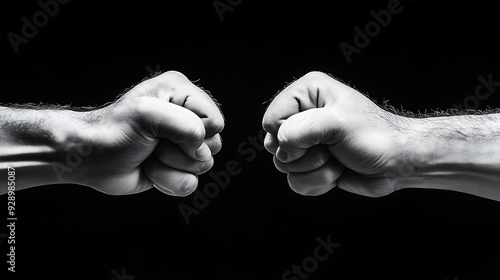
{"type": "Point", "coordinates": [429, 56]}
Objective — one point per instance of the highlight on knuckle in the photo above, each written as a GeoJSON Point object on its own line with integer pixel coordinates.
{"type": "Point", "coordinates": [202, 167]}
{"type": "Point", "coordinates": [313, 75]}
{"type": "Point", "coordinates": [173, 74]}
{"type": "Point", "coordinates": [269, 125]}
{"type": "Point", "coordinates": [215, 124]}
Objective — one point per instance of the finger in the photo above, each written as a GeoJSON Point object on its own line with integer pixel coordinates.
{"type": "Point", "coordinates": [172, 156]}
{"type": "Point", "coordinates": [303, 94]}
{"type": "Point", "coordinates": [161, 119]}
{"type": "Point", "coordinates": [203, 152]}
{"type": "Point", "coordinates": [304, 130]}
{"type": "Point", "coordinates": [168, 180]}
{"type": "Point", "coordinates": [208, 112]}
{"type": "Point", "coordinates": [177, 88]}
{"type": "Point", "coordinates": [214, 143]}
{"type": "Point", "coordinates": [271, 143]}
{"type": "Point", "coordinates": [316, 182]}
{"type": "Point", "coordinates": [353, 182]}
{"type": "Point", "coordinates": [314, 158]}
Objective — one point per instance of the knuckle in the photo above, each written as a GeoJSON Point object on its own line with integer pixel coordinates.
{"type": "Point", "coordinates": [270, 143]}
{"type": "Point", "coordinates": [320, 159]}
{"type": "Point", "coordinates": [150, 86]}
{"type": "Point", "coordinates": [279, 165]}
{"type": "Point", "coordinates": [172, 74]}
{"type": "Point", "coordinates": [169, 81]}
{"type": "Point", "coordinates": [317, 162]}
{"type": "Point", "coordinates": [202, 167]}
{"type": "Point", "coordinates": [270, 126]}
{"type": "Point", "coordinates": [330, 175]}
{"type": "Point", "coordinates": [283, 136]}
{"type": "Point", "coordinates": [314, 75]}
{"type": "Point", "coordinates": [215, 125]}
{"type": "Point", "coordinates": [215, 145]}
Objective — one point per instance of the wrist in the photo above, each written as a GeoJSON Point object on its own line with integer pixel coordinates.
{"type": "Point", "coordinates": [458, 153]}
{"type": "Point", "coordinates": [75, 147]}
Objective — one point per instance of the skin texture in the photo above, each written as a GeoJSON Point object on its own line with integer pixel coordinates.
{"type": "Point", "coordinates": [318, 126]}
{"type": "Point", "coordinates": [323, 134]}
{"type": "Point", "coordinates": [167, 130]}
{"type": "Point", "coordinates": [162, 133]}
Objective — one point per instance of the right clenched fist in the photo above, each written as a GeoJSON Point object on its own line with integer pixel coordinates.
{"type": "Point", "coordinates": [325, 134]}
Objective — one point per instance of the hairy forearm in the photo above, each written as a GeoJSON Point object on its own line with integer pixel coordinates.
{"type": "Point", "coordinates": [460, 153]}
{"type": "Point", "coordinates": [36, 143]}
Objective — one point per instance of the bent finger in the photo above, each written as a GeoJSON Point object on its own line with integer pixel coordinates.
{"type": "Point", "coordinates": [307, 129]}
{"type": "Point", "coordinates": [314, 158]}
{"type": "Point", "coordinates": [316, 182]}
{"type": "Point", "coordinates": [214, 143]}
{"type": "Point", "coordinates": [161, 119]}
{"type": "Point", "coordinates": [168, 180]}
{"type": "Point", "coordinates": [271, 143]}
{"type": "Point", "coordinates": [178, 89]}
{"type": "Point", "coordinates": [171, 155]}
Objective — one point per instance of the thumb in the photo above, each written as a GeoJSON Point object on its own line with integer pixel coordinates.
{"type": "Point", "coordinates": [162, 119]}
{"type": "Point", "coordinates": [305, 130]}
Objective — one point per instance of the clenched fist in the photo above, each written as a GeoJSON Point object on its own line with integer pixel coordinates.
{"type": "Point", "coordinates": [325, 134]}
{"type": "Point", "coordinates": [161, 133]}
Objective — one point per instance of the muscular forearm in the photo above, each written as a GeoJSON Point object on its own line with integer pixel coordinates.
{"type": "Point", "coordinates": [37, 143]}
{"type": "Point", "coordinates": [460, 153]}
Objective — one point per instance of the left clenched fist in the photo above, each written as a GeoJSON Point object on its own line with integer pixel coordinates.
{"type": "Point", "coordinates": [162, 133]}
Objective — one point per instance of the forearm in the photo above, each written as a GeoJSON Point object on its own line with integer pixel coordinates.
{"type": "Point", "coordinates": [37, 143]}
{"type": "Point", "coordinates": [460, 153]}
